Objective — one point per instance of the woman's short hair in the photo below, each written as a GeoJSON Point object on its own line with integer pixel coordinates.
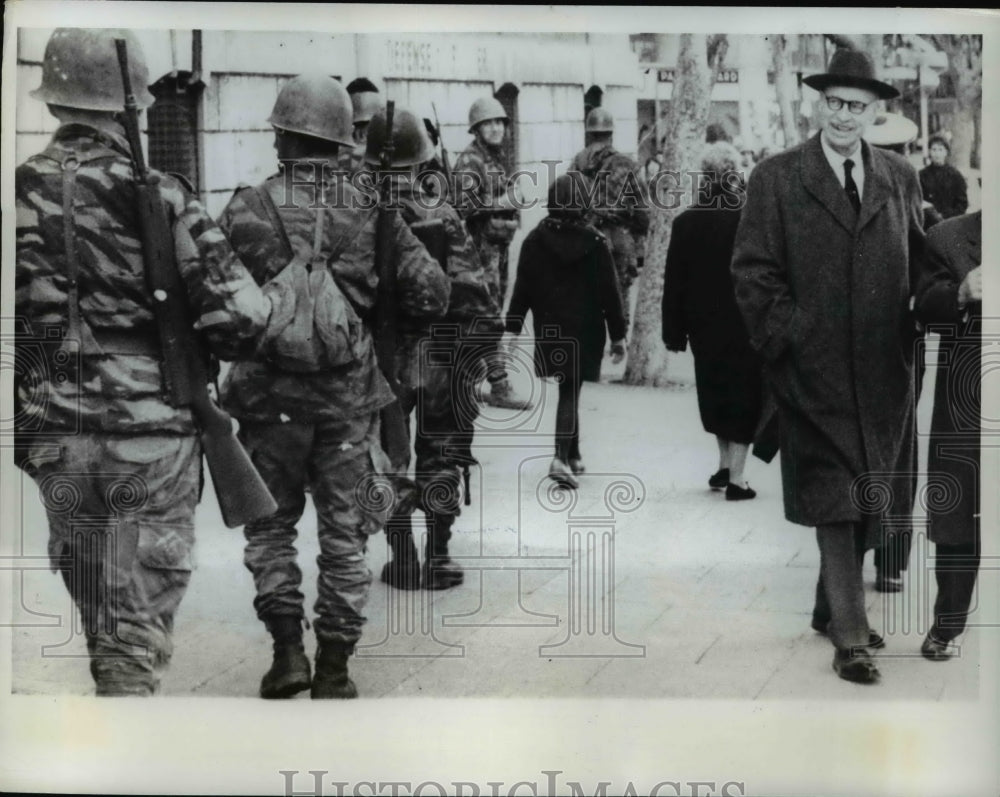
{"type": "Point", "coordinates": [719, 158]}
{"type": "Point", "coordinates": [938, 140]}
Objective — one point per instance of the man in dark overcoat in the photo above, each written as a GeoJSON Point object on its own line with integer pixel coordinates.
{"type": "Point", "coordinates": [949, 296]}
{"type": "Point", "coordinates": [822, 274]}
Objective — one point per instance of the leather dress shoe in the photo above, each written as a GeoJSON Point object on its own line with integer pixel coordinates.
{"type": "Point", "coordinates": [576, 465]}
{"type": "Point", "coordinates": [884, 583]}
{"type": "Point", "coordinates": [933, 649]}
{"type": "Point", "coordinates": [856, 666]}
{"type": "Point", "coordinates": [736, 493]}
{"type": "Point", "coordinates": [719, 479]}
{"type": "Point", "coordinates": [875, 640]}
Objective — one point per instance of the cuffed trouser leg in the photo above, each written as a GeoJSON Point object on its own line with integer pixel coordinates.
{"type": "Point", "coordinates": [955, 569]}
{"type": "Point", "coordinates": [841, 586]}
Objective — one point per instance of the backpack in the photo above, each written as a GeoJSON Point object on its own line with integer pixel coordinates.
{"type": "Point", "coordinates": [313, 326]}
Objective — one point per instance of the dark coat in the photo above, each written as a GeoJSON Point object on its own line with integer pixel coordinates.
{"type": "Point", "coordinates": [566, 278]}
{"type": "Point", "coordinates": [945, 188]}
{"type": "Point", "coordinates": [825, 294]}
{"type": "Point", "coordinates": [699, 305]}
{"type": "Point", "coordinates": [954, 248]}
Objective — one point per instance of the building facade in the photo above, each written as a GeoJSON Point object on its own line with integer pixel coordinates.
{"type": "Point", "coordinates": [215, 90]}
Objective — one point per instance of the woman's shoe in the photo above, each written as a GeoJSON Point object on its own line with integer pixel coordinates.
{"type": "Point", "coordinates": [561, 474]}
{"type": "Point", "coordinates": [736, 493]}
{"type": "Point", "coordinates": [719, 479]}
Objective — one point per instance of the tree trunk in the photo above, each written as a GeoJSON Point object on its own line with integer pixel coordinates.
{"type": "Point", "coordinates": [965, 66]}
{"type": "Point", "coordinates": [697, 65]}
{"type": "Point", "coordinates": [785, 89]}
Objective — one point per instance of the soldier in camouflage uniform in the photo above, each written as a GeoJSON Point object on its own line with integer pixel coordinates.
{"type": "Point", "coordinates": [481, 192]}
{"type": "Point", "coordinates": [319, 430]}
{"type": "Point", "coordinates": [365, 102]}
{"type": "Point", "coordinates": [620, 210]}
{"type": "Point", "coordinates": [119, 469]}
{"type": "Point", "coordinates": [438, 374]}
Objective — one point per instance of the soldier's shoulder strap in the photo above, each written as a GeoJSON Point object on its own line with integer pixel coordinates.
{"type": "Point", "coordinates": [258, 198]}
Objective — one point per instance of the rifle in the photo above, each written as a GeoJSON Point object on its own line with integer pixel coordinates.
{"type": "Point", "coordinates": [243, 496]}
{"type": "Point", "coordinates": [395, 432]}
{"type": "Point", "coordinates": [445, 164]}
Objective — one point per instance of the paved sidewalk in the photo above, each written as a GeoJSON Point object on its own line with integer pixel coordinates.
{"type": "Point", "coordinates": [642, 584]}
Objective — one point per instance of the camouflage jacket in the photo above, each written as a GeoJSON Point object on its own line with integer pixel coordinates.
{"type": "Point", "coordinates": [102, 390]}
{"type": "Point", "coordinates": [620, 197]}
{"type": "Point", "coordinates": [471, 302]}
{"type": "Point", "coordinates": [480, 183]}
{"type": "Point", "coordinates": [256, 390]}
{"type": "Point", "coordinates": [470, 292]}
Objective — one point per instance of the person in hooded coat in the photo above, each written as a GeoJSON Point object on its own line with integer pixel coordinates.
{"type": "Point", "coordinates": [566, 278]}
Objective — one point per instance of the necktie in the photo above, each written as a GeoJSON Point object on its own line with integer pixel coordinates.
{"type": "Point", "coordinates": [851, 187]}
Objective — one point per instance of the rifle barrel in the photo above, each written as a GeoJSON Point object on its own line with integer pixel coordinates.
{"type": "Point", "coordinates": [131, 116]}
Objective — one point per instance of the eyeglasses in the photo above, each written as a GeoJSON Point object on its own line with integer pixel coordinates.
{"type": "Point", "coordinates": [856, 107]}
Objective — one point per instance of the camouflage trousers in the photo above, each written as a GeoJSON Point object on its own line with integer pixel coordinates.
{"type": "Point", "coordinates": [339, 461]}
{"type": "Point", "coordinates": [496, 263]}
{"type": "Point", "coordinates": [438, 391]}
{"type": "Point", "coordinates": [121, 531]}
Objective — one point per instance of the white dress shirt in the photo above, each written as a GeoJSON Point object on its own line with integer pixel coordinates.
{"type": "Point", "coordinates": [836, 161]}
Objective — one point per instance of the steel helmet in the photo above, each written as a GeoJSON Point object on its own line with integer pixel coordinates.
{"type": "Point", "coordinates": [81, 70]}
{"type": "Point", "coordinates": [366, 104]}
{"type": "Point", "coordinates": [411, 144]}
{"type": "Point", "coordinates": [599, 120]}
{"type": "Point", "coordinates": [484, 109]}
{"type": "Point", "coordinates": [314, 105]}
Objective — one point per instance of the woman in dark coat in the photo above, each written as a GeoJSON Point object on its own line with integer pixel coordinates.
{"type": "Point", "coordinates": [949, 293]}
{"type": "Point", "coordinates": [942, 184]}
{"type": "Point", "coordinates": [699, 304]}
{"type": "Point", "coordinates": [566, 278]}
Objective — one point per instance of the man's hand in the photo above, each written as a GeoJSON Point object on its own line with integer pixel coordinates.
{"type": "Point", "coordinates": [618, 351]}
{"type": "Point", "coordinates": [971, 289]}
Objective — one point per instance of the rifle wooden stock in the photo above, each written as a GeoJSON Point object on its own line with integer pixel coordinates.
{"type": "Point", "coordinates": [243, 496]}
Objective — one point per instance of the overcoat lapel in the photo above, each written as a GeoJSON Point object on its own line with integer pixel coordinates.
{"type": "Point", "coordinates": [878, 184]}
{"type": "Point", "coordinates": [822, 183]}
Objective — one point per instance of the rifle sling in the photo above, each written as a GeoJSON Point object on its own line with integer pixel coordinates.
{"type": "Point", "coordinates": [69, 167]}
{"type": "Point", "coordinates": [279, 226]}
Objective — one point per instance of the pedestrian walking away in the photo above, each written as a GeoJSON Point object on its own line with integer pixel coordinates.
{"type": "Point", "coordinates": [316, 423]}
{"type": "Point", "coordinates": [832, 322]}
{"type": "Point", "coordinates": [699, 305]}
{"type": "Point", "coordinates": [566, 279]}
{"type": "Point", "coordinates": [97, 424]}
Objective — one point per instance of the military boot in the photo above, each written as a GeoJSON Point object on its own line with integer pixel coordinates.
{"type": "Point", "coordinates": [331, 681]}
{"type": "Point", "coordinates": [289, 673]}
{"type": "Point", "coordinates": [402, 571]}
{"type": "Point", "coordinates": [439, 571]}
{"type": "Point", "coordinates": [501, 395]}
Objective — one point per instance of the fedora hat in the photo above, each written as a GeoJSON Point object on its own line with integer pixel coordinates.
{"type": "Point", "coordinates": [851, 68]}
{"type": "Point", "coordinates": [891, 129]}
